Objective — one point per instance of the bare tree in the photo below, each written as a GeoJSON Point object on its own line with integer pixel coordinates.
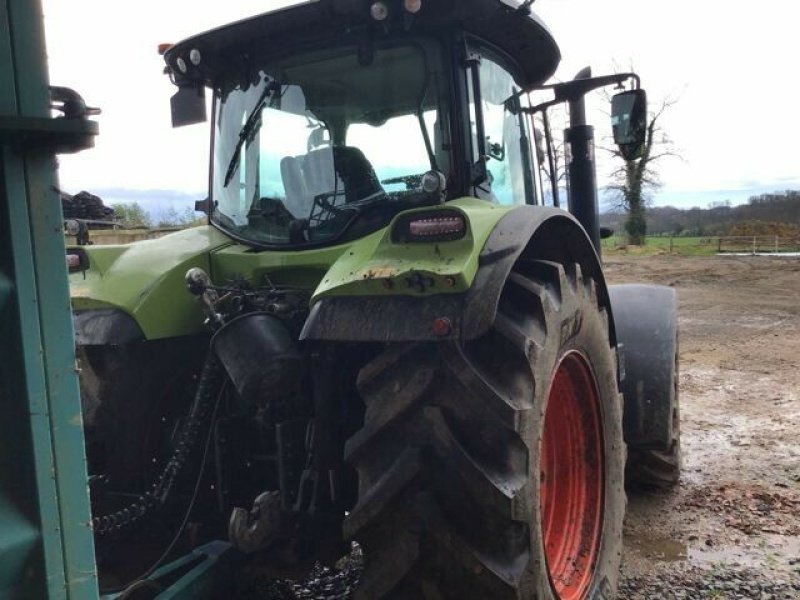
{"type": "Point", "coordinates": [633, 182]}
{"type": "Point", "coordinates": [559, 166]}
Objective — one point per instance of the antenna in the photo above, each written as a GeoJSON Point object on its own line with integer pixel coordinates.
{"type": "Point", "coordinates": [525, 7]}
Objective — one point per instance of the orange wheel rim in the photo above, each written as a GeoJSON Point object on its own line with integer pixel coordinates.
{"type": "Point", "coordinates": [572, 478]}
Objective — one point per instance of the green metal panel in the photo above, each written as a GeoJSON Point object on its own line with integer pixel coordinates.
{"type": "Point", "coordinates": [363, 267]}
{"type": "Point", "coordinates": [146, 280]}
{"type": "Point", "coordinates": [300, 268]}
{"type": "Point", "coordinates": [47, 546]}
{"type": "Point", "coordinates": [375, 265]}
{"type": "Point", "coordinates": [26, 471]}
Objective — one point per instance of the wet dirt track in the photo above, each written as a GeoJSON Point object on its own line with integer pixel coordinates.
{"type": "Point", "coordinates": [732, 527]}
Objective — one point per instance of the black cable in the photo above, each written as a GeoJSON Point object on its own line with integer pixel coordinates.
{"type": "Point", "coordinates": [187, 438]}
{"type": "Point", "coordinates": [138, 586]}
{"type": "Point", "coordinates": [135, 583]}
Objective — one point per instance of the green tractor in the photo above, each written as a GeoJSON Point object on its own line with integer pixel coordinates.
{"type": "Point", "coordinates": [383, 335]}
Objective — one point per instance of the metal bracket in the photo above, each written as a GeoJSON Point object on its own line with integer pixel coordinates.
{"type": "Point", "coordinates": [61, 135]}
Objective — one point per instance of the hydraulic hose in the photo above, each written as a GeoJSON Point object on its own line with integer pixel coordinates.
{"type": "Point", "coordinates": [201, 408]}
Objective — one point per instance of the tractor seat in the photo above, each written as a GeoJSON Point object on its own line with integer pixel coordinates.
{"type": "Point", "coordinates": [325, 170]}
{"type": "Point", "coordinates": [357, 173]}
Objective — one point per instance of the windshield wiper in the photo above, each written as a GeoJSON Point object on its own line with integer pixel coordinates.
{"type": "Point", "coordinates": [249, 127]}
{"type": "Point", "coordinates": [425, 135]}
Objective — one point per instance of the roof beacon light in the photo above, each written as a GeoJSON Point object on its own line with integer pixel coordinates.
{"type": "Point", "coordinates": [379, 11]}
{"type": "Point", "coordinates": [413, 6]}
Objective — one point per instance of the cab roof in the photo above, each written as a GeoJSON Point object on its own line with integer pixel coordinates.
{"type": "Point", "coordinates": [504, 24]}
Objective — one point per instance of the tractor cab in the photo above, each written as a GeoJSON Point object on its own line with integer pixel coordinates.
{"type": "Point", "coordinates": [331, 117]}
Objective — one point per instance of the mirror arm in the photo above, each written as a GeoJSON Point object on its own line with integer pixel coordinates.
{"type": "Point", "coordinates": [570, 91]}
{"type": "Point", "coordinates": [540, 108]}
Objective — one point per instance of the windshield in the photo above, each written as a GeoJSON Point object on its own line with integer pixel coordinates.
{"type": "Point", "coordinates": [327, 146]}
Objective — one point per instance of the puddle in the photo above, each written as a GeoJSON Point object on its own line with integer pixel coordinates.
{"type": "Point", "coordinates": [775, 552]}
{"type": "Point", "coordinates": [656, 548]}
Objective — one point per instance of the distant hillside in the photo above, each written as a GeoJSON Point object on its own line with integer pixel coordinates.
{"type": "Point", "coordinates": [767, 214]}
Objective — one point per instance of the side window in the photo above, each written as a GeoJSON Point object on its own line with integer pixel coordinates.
{"type": "Point", "coordinates": [507, 138]}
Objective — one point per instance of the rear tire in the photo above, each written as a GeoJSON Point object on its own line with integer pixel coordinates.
{"type": "Point", "coordinates": [451, 459]}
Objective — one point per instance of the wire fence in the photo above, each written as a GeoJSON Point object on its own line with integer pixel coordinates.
{"type": "Point", "coordinates": [758, 244]}
{"type": "Point", "coordinates": [699, 246]}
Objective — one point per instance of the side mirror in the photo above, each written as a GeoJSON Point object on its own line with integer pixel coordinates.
{"type": "Point", "coordinates": [629, 122]}
{"type": "Point", "coordinates": [188, 105]}
{"type": "Point", "coordinates": [203, 206]}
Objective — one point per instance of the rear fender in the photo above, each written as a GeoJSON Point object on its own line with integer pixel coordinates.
{"type": "Point", "coordinates": [646, 318]}
{"type": "Point", "coordinates": [540, 233]}
{"type": "Point", "coordinates": [137, 291]}
{"type": "Point", "coordinates": [537, 232]}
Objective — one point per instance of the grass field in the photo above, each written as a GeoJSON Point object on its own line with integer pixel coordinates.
{"type": "Point", "coordinates": [685, 246]}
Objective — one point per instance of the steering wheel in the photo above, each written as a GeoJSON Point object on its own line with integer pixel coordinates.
{"type": "Point", "coordinates": [324, 208]}
{"type": "Point", "coordinates": [272, 209]}
{"type": "Point", "coordinates": [412, 182]}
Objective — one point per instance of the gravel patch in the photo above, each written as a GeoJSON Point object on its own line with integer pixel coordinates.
{"type": "Point", "coordinates": [698, 584]}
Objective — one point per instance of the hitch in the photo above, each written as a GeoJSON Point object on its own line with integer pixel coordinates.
{"type": "Point", "coordinates": [254, 530]}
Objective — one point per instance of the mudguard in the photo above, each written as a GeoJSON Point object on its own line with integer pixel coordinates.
{"type": "Point", "coordinates": [539, 232]}
{"type": "Point", "coordinates": [135, 292]}
{"type": "Point", "coordinates": [105, 326]}
{"type": "Point", "coordinates": [646, 318]}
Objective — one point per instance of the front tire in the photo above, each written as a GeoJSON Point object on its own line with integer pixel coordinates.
{"type": "Point", "coordinates": [659, 470]}
{"type": "Point", "coordinates": [495, 469]}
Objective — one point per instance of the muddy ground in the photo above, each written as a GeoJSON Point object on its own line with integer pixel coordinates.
{"type": "Point", "coordinates": [731, 529]}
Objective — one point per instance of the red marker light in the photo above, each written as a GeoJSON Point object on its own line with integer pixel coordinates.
{"type": "Point", "coordinates": [442, 327]}
{"type": "Point", "coordinates": [430, 226]}
{"type": "Point", "coordinates": [413, 6]}
{"type": "Point", "coordinates": [436, 226]}
{"type": "Point", "coordinates": [162, 48]}
{"type": "Point", "coordinates": [76, 260]}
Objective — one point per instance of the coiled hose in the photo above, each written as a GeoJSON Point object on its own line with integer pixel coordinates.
{"type": "Point", "coordinates": [208, 387]}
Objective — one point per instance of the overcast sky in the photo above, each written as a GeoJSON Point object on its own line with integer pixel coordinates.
{"type": "Point", "coordinates": [731, 65]}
